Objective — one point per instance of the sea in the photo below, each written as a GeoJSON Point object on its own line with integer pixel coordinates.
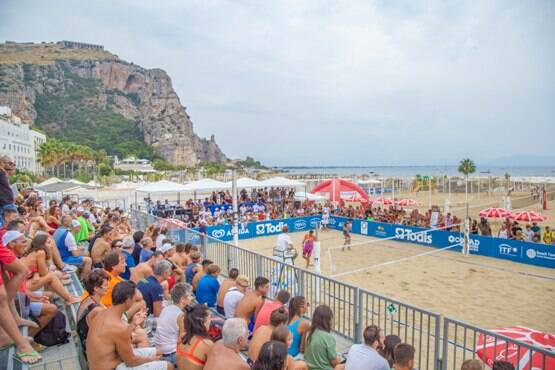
{"type": "Point", "coordinates": [411, 171]}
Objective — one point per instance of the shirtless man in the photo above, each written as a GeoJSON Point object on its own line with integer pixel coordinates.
{"type": "Point", "coordinates": [264, 333]}
{"type": "Point", "coordinates": [224, 287]}
{"type": "Point", "coordinates": [200, 273]}
{"type": "Point", "coordinates": [253, 301]}
{"type": "Point", "coordinates": [144, 269]}
{"type": "Point", "coordinates": [180, 257]}
{"type": "Point", "coordinates": [109, 344]}
{"type": "Point", "coordinates": [225, 353]}
{"type": "Point", "coordinates": [102, 245]}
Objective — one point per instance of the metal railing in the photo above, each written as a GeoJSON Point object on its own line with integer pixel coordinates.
{"type": "Point", "coordinates": [462, 341]}
{"type": "Point", "coordinates": [354, 308]}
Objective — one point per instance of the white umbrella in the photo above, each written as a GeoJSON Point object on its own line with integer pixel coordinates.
{"type": "Point", "coordinates": [369, 182]}
{"type": "Point", "coordinates": [163, 186]}
{"type": "Point", "coordinates": [283, 182]}
{"type": "Point", "coordinates": [206, 185]}
{"type": "Point", "coordinates": [245, 182]}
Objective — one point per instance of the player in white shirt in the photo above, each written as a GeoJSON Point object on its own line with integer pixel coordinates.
{"type": "Point", "coordinates": [284, 250]}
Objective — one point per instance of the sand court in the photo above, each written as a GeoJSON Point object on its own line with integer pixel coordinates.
{"type": "Point", "coordinates": [483, 291]}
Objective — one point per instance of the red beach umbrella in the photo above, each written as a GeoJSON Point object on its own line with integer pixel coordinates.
{"type": "Point", "coordinates": [490, 350]}
{"type": "Point", "coordinates": [382, 201]}
{"type": "Point", "coordinates": [528, 216]}
{"type": "Point", "coordinates": [495, 213]}
{"type": "Point", "coordinates": [407, 202]}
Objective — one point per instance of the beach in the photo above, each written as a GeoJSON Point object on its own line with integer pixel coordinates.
{"type": "Point", "coordinates": [483, 291]}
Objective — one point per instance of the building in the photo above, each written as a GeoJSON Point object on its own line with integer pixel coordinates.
{"type": "Point", "coordinates": [133, 164]}
{"type": "Point", "coordinates": [19, 141]}
{"type": "Point", "coordinates": [79, 45]}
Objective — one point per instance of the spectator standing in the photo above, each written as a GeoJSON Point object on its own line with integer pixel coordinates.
{"type": "Point", "coordinates": [366, 356]}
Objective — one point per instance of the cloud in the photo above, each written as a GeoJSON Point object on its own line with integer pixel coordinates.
{"type": "Point", "coordinates": [321, 82]}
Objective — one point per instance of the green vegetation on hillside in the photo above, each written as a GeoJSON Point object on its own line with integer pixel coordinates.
{"type": "Point", "coordinates": [77, 120]}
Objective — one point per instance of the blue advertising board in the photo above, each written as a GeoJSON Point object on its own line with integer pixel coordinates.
{"type": "Point", "coordinates": [263, 228]}
{"type": "Point", "coordinates": [514, 250]}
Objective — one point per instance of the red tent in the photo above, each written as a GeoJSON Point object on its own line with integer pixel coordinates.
{"type": "Point", "coordinates": [338, 190]}
{"type": "Point", "coordinates": [489, 349]}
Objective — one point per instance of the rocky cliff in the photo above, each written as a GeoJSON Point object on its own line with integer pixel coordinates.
{"type": "Point", "coordinates": [79, 89]}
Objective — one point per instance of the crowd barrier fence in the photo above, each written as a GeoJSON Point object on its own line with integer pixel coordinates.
{"type": "Point", "coordinates": [437, 345]}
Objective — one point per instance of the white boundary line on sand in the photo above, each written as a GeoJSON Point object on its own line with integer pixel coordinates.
{"type": "Point", "coordinates": [394, 261]}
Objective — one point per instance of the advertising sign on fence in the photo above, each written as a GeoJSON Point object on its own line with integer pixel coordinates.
{"type": "Point", "coordinates": [514, 250]}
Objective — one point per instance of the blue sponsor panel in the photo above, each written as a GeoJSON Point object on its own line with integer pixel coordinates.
{"type": "Point", "coordinates": [263, 228]}
{"type": "Point", "coordinates": [514, 250]}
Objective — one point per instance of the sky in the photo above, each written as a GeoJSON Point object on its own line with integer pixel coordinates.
{"type": "Point", "coordinates": [334, 82]}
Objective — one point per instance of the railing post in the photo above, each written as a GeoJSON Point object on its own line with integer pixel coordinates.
{"type": "Point", "coordinates": [258, 262]}
{"type": "Point", "coordinates": [300, 282]}
{"type": "Point", "coordinates": [357, 316]}
{"type": "Point", "coordinates": [204, 244]}
{"type": "Point", "coordinates": [437, 363]}
{"type": "Point", "coordinates": [444, 358]}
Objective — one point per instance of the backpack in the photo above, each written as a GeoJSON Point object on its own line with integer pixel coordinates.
{"type": "Point", "coordinates": [83, 327]}
{"type": "Point", "coordinates": [54, 332]}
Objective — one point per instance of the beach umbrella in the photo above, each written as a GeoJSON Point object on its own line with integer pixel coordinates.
{"type": "Point", "coordinates": [528, 216]}
{"type": "Point", "coordinates": [490, 349]}
{"type": "Point", "coordinates": [407, 202]}
{"type": "Point", "coordinates": [495, 213]}
{"type": "Point", "coordinates": [382, 201]}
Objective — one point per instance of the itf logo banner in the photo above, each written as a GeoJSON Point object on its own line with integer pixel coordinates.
{"type": "Point", "coordinates": [518, 251]}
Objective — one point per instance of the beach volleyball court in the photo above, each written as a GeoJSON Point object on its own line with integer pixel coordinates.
{"type": "Point", "coordinates": [480, 290]}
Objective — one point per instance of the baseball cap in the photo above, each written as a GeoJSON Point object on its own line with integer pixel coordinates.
{"type": "Point", "coordinates": [10, 236]}
{"type": "Point", "coordinates": [165, 247]}
{"type": "Point", "coordinates": [80, 209]}
{"type": "Point", "coordinates": [75, 223]}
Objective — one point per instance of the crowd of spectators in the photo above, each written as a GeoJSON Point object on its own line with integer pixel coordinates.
{"type": "Point", "coordinates": [153, 304]}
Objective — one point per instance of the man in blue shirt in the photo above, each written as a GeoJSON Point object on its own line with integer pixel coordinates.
{"type": "Point", "coordinates": [148, 249]}
{"type": "Point", "coordinates": [127, 250]}
{"type": "Point", "coordinates": [151, 287]}
{"type": "Point", "coordinates": [208, 286]}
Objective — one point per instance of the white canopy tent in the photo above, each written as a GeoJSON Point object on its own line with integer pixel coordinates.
{"type": "Point", "coordinates": [282, 182]}
{"type": "Point", "coordinates": [206, 185]}
{"type": "Point", "coordinates": [246, 183]}
{"type": "Point", "coordinates": [369, 182]}
{"type": "Point", "coordinates": [301, 195]}
{"type": "Point", "coordinates": [163, 186]}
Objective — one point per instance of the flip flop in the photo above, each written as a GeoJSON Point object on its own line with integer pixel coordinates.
{"type": "Point", "coordinates": [38, 347]}
{"type": "Point", "coordinates": [21, 356]}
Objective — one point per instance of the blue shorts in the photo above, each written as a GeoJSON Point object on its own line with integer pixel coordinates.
{"type": "Point", "coordinates": [74, 260]}
{"type": "Point", "coordinates": [35, 308]}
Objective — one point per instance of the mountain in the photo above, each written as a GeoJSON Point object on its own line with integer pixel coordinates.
{"type": "Point", "coordinates": [83, 93]}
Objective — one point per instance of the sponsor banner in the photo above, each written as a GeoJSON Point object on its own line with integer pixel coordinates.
{"type": "Point", "coordinates": [263, 228]}
{"type": "Point", "coordinates": [518, 251]}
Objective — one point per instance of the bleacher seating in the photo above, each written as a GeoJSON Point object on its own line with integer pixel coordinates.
{"type": "Point", "coordinates": [62, 357]}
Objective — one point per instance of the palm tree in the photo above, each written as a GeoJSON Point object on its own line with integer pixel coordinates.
{"type": "Point", "coordinates": [466, 167]}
